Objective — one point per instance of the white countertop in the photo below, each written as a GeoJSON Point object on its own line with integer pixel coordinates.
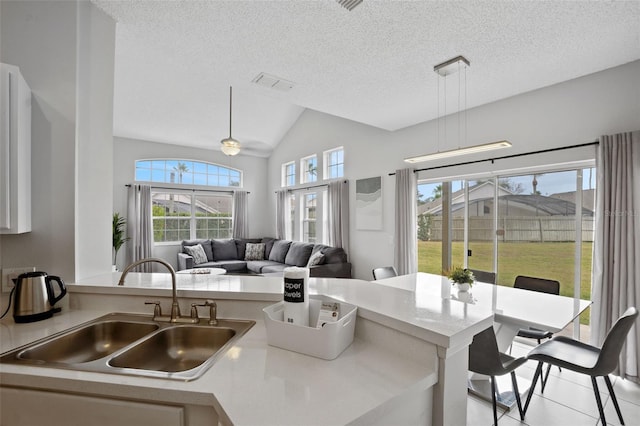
{"type": "Point", "coordinates": [280, 386]}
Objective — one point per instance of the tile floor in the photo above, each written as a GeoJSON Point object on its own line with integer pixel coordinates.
{"type": "Point", "coordinates": [568, 400]}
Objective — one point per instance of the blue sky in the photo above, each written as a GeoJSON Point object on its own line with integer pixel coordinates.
{"type": "Point", "coordinates": [548, 183]}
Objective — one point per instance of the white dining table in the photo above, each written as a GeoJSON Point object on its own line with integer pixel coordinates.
{"type": "Point", "coordinates": [512, 309]}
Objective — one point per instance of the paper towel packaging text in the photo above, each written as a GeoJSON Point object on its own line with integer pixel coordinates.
{"type": "Point", "coordinates": [294, 290]}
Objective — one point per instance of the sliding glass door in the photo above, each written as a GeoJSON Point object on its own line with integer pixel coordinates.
{"type": "Point", "coordinates": [539, 224]}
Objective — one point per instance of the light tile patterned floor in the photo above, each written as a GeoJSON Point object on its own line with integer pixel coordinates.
{"type": "Point", "coordinates": [568, 400]}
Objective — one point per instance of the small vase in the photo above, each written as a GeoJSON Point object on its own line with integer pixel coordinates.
{"type": "Point", "coordinates": [463, 287]}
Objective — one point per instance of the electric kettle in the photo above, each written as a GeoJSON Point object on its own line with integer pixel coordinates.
{"type": "Point", "coordinates": [34, 296]}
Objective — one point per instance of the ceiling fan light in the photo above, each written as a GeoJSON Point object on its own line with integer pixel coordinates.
{"type": "Point", "coordinates": [230, 146]}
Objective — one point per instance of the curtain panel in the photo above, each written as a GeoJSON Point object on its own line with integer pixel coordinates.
{"type": "Point", "coordinates": [283, 215]}
{"type": "Point", "coordinates": [616, 252]}
{"type": "Point", "coordinates": [139, 226]}
{"type": "Point", "coordinates": [240, 214]}
{"type": "Point", "coordinates": [406, 227]}
{"type": "Point", "coordinates": [338, 221]}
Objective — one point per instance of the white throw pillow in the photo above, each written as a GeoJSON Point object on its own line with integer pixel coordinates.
{"type": "Point", "coordinates": [316, 258]}
{"type": "Point", "coordinates": [197, 252]}
{"type": "Point", "coordinates": [254, 251]}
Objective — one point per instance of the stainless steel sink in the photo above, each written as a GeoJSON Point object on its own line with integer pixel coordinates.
{"type": "Point", "coordinates": [134, 344]}
{"type": "Point", "coordinates": [88, 343]}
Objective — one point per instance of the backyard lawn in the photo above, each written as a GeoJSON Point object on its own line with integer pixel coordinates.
{"type": "Point", "coordinates": [552, 260]}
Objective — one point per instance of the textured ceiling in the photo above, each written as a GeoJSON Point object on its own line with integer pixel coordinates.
{"type": "Point", "coordinates": [175, 60]}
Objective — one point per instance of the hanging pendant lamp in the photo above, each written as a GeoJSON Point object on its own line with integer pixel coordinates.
{"type": "Point", "coordinates": [230, 146]}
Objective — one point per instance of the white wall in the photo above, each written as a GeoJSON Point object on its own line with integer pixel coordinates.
{"type": "Point", "coordinates": [94, 141]}
{"type": "Point", "coordinates": [41, 37]}
{"type": "Point", "coordinates": [573, 112]}
{"type": "Point", "coordinates": [127, 151]}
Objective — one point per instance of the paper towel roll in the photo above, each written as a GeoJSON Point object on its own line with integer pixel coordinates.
{"type": "Point", "coordinates": [296, 296]}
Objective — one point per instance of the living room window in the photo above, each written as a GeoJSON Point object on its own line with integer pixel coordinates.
{"type": "Point", "coordinates": [179, 215]}
{"type": "Point", "coordinates": [309, 169]}
{"type": "Point", "coordinates": [187, 172]}
{"type": "Point", "coordinates": [309, 209]}
{"type": "Point", "coordinates": [289, 174]}
{"type": "Point", "coordinates": [334, 163]}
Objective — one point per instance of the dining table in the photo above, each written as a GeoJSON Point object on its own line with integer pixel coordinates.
{"type": "Point", "coordinates": [512, 309]}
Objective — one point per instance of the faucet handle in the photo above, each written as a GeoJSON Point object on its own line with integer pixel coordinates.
{"type": "Point", "coordinates": [194, 310]}
{"type": "Point", "coordinates": [213, 311]}
{"type": "Point", "coordinates": [157, 310]}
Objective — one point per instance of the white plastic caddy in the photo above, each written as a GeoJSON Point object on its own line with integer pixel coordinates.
{"type": "Point", "coordinates": [326, 342]}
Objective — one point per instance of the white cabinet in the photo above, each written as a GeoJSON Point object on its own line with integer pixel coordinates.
{"type": "Point", "coordinates": [15, 151]}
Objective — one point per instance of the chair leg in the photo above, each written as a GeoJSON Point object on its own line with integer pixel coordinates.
{"type": "Point", "coordinates": [517, 392]}
{"type": "Point", "coordinates": [493, 396]}
{"type": "Point", "coordinates": [613, 398]}
{"type": "Point", "coordinates": [533, 385]}
{"type": "Point", "coordinates": [543, 381]}
{"type": "Point", "coordinates": [603, 421]}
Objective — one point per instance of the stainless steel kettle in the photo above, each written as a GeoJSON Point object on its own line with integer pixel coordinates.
{"type": "Point", "coordinates": [35, 297]}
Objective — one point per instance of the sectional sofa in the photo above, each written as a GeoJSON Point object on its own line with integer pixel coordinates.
{"type": "Point", "coordinates": [263, 256]}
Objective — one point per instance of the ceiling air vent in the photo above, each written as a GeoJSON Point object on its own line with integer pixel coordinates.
{"type": "Point", "coordinates": [273, 82]}
{"type": "Point", "coordinates": [349, 4]}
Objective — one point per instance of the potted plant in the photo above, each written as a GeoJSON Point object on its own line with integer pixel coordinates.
{"type": "Point", "coordinates": [119, 239]}
{"type": "Point", "coordinates": [462, 277]}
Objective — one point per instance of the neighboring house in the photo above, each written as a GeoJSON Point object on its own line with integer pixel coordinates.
{"type": "Point", "coordinates": [522, 217]}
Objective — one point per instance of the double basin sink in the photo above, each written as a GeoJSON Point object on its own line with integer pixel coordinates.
{"type": "Point", "coordinates": [134, 344]}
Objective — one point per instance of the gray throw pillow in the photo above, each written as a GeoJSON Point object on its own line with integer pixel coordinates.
{"type": "Point", "coordinates": [298, 254]}
{"type": "Point", "coordinates": [279, 250]}
{"type": "Point", "coordinates": [224, 250]}
{"type": "Point", "coordinates": [316, 258]}
{"type": "Point", "coordinates": [254, 251]}
{"type": "Point", "coordinates": [197, 252]}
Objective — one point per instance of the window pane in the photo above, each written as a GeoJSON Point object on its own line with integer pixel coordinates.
{"type": "Point", "coordinates": [186, 172]}
{"type": "Point", "coordinates": [172, 216]}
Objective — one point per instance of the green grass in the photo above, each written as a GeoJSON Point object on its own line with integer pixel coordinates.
{"type": "Point", "coordinates": [546, 260]}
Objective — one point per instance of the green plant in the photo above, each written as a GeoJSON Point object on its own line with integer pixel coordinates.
{"type": "Point", "coordinates": [118, 234]}
{"type": "Point", "coordinates": [460, 275]}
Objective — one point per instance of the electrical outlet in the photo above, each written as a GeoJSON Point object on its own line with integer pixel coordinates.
{"type": "Point", "coordinates": [8, 274]}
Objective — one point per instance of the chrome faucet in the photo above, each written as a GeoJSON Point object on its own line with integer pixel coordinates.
{"type": "Point", "coordinates": [175, 308]}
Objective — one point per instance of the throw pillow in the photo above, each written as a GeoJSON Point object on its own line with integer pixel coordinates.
{"type": "Point", "coordinates": [197, 252]}
{"type": "Point", "coordinates": [254, 251]}
{"type": "Point", "coordinates": [279, 251]}
{"type": "Point", "coordinates": [298, 254]}
{"type": "Point", "coordinates": [224, 249]}
{"type": "Point", "coordinates": [316, 258]}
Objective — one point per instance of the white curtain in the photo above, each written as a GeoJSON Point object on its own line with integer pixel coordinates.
{"type": "Point", "coordinates": [616, 253]}
{"type": "Point", "coordinates": [139, 226]}
{"type": "Point", "coordinates": [406, 229]}
{"type": "Point", "coordinates": [240, 214]}
{"type": "Point", "coordinates": [283, 214]}
{"type": "Point", "coordinates": [338, 210]}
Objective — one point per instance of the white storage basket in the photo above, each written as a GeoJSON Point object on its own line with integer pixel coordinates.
{"type": "Point", "coordinates": [326, 342]}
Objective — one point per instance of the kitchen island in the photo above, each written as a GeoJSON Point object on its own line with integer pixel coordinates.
{"type": "Point", "coordinates": [407, 364]}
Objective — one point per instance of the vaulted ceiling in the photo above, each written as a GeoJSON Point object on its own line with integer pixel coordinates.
{"type": "Point", "coordinates": [175, 60]}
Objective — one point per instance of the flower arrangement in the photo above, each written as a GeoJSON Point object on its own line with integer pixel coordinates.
{"type": "Point", "coordinates": [460, 275]}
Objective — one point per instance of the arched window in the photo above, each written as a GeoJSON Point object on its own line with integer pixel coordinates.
{"type": "Point", "coordinates": [187, 172]}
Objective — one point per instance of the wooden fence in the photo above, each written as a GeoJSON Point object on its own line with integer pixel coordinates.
{"type": "Point", "coordinates": [514, 229]}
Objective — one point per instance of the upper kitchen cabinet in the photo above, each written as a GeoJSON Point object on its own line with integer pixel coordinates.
{"type": "Point", "coordinates": [15, 151]}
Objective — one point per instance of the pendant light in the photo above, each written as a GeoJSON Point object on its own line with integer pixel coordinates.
{"type": "Point", "coordinates": [444, 69]}
{"type": "Point", "coordinates": [230, 146]}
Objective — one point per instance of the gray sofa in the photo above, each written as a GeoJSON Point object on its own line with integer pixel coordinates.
{"type": "Point", "coordinates": [232, 255]}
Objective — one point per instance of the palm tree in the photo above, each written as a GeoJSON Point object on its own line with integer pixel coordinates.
{"type": "Point", "coordinates": [181, 168]}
